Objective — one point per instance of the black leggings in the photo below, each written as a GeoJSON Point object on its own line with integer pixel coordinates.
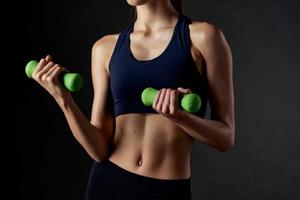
{"type": "Point", "coordinates": [109, 181]}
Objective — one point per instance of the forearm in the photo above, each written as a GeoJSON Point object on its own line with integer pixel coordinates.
{"type": "Point", "coordinates": [91, 138]}
{"type": "Point", "coordinates": [211, 132]}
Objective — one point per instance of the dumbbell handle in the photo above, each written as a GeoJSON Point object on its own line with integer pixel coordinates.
{"type": "Point", "coordinates": [72, 81]}
{"type": "Point", "coordinates": [189, 102]}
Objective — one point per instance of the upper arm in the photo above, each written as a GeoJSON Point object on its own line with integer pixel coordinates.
{"type": "Point", "coordinates": [211, 42]}
{"type": "Point", "coordinates": [102, 115]}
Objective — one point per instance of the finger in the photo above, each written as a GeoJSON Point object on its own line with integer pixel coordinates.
{"type": "Point", "coordinates": [184, 90]}
{"type": "Point", "coordinates": [161, 99]}
{"type": "Point", "coordinates": [43, 72]}
{"type": "Point", "coordinates": [50, 72]}
{"type": "Point", "coordinates": [180, 90]}
{"type": "Point", "coordinates": [176, 93]}
{"type": "Point", "coordinates": [49, 58]}
{"type": "Point", "coordinates": [173, 103]}
{"type": "Point", "coordinates": [38, 68]}
{"type": "Point", "coordinates": [54, 75]}
{"type": "Point", "coordinates": [166, 103]}
{"type": "Point", "coordinates": [155, 100]}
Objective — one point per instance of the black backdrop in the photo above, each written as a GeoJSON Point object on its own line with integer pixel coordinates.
{"type": "Point", "coordinates": [264, 38]}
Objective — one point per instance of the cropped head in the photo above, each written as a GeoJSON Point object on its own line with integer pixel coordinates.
{"type": "Point", "coordinates": [177, 4]}
{"type": "Point", "coordinates": [138, 2]}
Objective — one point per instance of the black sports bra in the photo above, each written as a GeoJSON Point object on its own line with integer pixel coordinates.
{"type": "Point", "coordinates": [173, 68]}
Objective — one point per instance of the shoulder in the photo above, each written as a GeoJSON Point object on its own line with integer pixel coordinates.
{"type": "Point", "coordinates": [102, 50]}
{"type": "Point", "coordinates": [204, 27]}
{"type": "Point", "coordinates": [205, 34]}
{"type": "Point", "coordinates": [106, 43]}
{"type": "Point", "coordinates": [205, 30]}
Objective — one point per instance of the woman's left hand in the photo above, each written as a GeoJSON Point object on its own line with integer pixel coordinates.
{"type": "Point", "coordinates": [166, 102]}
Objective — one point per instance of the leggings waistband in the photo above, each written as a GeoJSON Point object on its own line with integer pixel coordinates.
{"type": "Point", "coordinates": [121, 174]}
{"type": "Point", "coordinates": [109, 181]}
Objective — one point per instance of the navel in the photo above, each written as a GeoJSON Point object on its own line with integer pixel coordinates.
{"type": "Point", "coordinates": [140, 161]}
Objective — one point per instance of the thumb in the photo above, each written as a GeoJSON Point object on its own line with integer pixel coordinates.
{"type": "Point", "coordinates": [49, 58]}
{"type": "Point", "coordinates": [184, 90]}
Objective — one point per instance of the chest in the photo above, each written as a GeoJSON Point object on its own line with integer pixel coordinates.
{"type": "Point", "coordinates": [145, 48]}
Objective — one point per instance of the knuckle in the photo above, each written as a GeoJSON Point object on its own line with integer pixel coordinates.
{"type": "Point", "coordinates": [38, 76]}
{"type": "Point", "coordinates": [154, 106]}
{"type": "Point", "coordinates": [49, 79]}
{"type": "Point", "coordinates": [172, 111]}
{"type": "Point", "coordinates": [44, 77]}
{"type": "Point", "coordinates": [158, 106]}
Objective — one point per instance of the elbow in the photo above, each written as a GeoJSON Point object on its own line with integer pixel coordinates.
{"type": "Point", "coordinates": [100, 155]}
{"type": "Point", "coordinates": [227, 143]}
{"type": "Point", "coordinates": [96, 159]}
{"type": "Point", "coordinates": [99, 158]}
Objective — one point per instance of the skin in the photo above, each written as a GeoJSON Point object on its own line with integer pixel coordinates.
{"type": "Point", "coordinates": [151, 144]}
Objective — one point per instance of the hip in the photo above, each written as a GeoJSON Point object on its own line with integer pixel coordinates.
{"type": "Point", "coordinates": [111, 182]}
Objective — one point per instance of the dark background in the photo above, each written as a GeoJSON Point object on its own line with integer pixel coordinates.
{"type": "Point", "coordinates": [264, 39]}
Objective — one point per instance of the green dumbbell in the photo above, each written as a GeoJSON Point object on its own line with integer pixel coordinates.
{"type": "Point", "coordinates": [72, 81]}
{"type": "Point", "coordinates": [189, 102]}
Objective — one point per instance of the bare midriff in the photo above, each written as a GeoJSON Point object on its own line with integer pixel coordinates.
{"type": "Point", "coordinates": [150, 144]}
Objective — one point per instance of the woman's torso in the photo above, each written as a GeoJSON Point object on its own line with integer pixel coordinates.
{"type": "Point", "coordinates": [149, 144]}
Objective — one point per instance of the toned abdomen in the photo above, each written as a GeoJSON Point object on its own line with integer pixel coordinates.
{"type": "Point", "coordinates": [151, 145]}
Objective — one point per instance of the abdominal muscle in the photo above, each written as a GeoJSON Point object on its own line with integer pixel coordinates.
{"type": "Point", "coordinates": [151, 145]}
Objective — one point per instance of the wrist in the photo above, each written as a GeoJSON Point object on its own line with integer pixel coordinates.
{"type": "Point", "coordinates": [179, 116]}
{"type": "Point", "coordinates": [64, 100]}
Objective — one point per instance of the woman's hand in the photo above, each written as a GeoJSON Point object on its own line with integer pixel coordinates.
{"type": "Point", "coordinates": [166, 102]}
{"type": "Point", "coordinates": [46, 74]}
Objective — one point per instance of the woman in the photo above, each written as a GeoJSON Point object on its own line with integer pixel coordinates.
{"type": "Point", "coordinates": [143, 152]}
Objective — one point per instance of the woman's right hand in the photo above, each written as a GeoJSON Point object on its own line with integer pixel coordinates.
{"type": "Point", "coordinates": [46, 74]}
